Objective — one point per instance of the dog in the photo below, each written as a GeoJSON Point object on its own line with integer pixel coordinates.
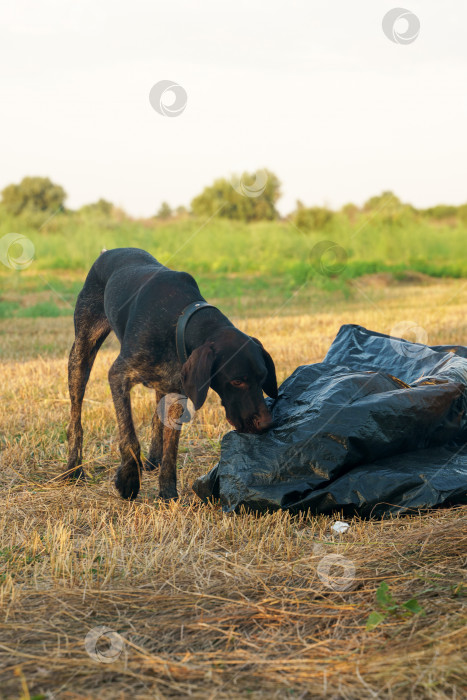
{"type": "Point", "coordinates": [171, 340]}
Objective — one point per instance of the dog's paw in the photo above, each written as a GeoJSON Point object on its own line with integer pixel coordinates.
{"type": "Point", "coordinates": [168, 495]}
{"type": "Point", "coordinates": [150, 465]}
{"type": "Point", "coordinates": [127, 484]}
{"type": "Point", "coordinates": [73, 473]}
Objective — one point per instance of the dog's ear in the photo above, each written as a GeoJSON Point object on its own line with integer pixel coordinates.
{"type": "Point", "coordinates": [270, 383]}
{"type": "Point", "coordinates": [196, 374]}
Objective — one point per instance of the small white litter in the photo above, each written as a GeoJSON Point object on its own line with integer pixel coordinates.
{"type": "Point", "coordinates": [340, 527]}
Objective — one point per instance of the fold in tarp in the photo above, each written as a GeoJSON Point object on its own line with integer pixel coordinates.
{"type": "Point", "coordinates": [379, 426]}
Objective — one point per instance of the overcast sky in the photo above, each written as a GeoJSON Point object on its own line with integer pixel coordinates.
{"type": "Point", "coordinates": [313, 90]}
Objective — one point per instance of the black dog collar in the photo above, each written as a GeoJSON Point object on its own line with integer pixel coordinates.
{"type": "Point", "coordinates": [183, 319]}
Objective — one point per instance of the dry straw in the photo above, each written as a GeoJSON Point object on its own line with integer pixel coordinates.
{"type": "Point", "coordinates": [207, 606]}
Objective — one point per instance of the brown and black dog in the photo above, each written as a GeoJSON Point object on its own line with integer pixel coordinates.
{"type": "Point", "coordinates": [172, 341]}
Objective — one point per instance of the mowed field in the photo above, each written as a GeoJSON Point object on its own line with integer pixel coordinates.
{"type": "Point", "coordinates": [197, 603]}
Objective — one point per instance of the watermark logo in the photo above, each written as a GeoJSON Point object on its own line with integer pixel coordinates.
{"type": "Point", "coordinates": [168, 98]}
{"type": "Point", "coordinates": [16, 251]}
{"type": "Point", "coordinates": [335, 571]}
{"type": "Point", "coordinates": [329, 257]}
{"type": "Point", "coordinates": [416, 336]}
{"type": "Point", "coordinates": [104, 645]}
{"type": "Point", "coordinates": [392, 28]}
{"type": "Point", "coordinates": [174, 410]}
{"type": "Point", "coordinates": [254, 189]}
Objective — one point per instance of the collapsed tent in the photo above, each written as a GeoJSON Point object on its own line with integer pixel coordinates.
{"type": "Point", "coordinates": [380, 426]}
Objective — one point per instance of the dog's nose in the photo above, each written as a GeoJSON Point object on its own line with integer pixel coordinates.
{"type": "Point", "coordinates": [263, 421]}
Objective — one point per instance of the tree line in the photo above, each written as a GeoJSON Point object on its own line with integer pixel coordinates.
{"type": "Point", "coordinates": [248, 197]}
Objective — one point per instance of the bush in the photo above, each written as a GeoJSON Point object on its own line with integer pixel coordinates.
{"type": "Point", "coordinates": [165, 211]}
{"type": "Point", "coordinates": [33, 195]}
{"type": "Point", "coordinates": [312, 218]}
{"type": "Point", "coordinates": [351, 212]}
{"type": "Point", "coordinates": [249, 197]}
{"type": "Point", "coordinates": [440, 212]}
{"type": "Point", "coordinates": [386, 201]}
{"type": "Point", "coordinates": [101, 208]}
{"type": "Point", "coordinates": [462, 214]}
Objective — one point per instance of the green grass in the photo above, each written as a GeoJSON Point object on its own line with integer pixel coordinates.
{"type": "Point", "coordinates": [231, 260]}
{"type": "Point", "coordinates": [72, 242]}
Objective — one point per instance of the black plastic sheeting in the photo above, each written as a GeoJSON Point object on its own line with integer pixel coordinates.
{"type": "Point", "coordinates": [380, 426]}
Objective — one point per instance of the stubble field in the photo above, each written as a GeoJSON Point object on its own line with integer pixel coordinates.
{"type": "Point", "coordinates": [196, 603]}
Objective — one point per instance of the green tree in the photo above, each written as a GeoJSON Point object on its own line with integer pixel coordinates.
{"type": "Point", "coordinates": [312, 218]}
{"type": "Point", "coordinates": [441, 211]}
{"type": "Point", "coordinates": [351, 211]}
{"type": "Point", "coordinates": [248, 197]}
{"type": "Point", "coordinates": [462, 213]}
{"type": "Point", "coordinates": [165, 211]}
{"type": "Point", "coordinates": [389, 211]}
{"type": "Point", "coordinates": [33, 194]}
{"type": "Point", "coordinates": [102, 208]}
{"type": "Point", "coordinates": [386, 200]}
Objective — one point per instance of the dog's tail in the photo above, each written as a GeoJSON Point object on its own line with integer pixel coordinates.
{"type": "Point", "coordinates": [104, 250]}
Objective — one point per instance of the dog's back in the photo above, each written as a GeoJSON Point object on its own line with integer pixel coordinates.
{"type": "Point", "coordinates": [122, 261]}
{"type": "Point", "coordinates": [122, 278]}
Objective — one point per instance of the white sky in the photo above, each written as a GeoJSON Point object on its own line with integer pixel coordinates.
{"type": "Point", "coordinates": [311, 89]}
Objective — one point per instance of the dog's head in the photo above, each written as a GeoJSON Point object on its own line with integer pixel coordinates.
{"type": "Point", "coordinates": [238, 368]}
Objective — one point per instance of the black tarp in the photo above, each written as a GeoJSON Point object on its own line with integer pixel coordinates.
{"type": "Point", "coordinates": [379, 426]}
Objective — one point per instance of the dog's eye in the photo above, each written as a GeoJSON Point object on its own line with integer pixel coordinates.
{"type": "Point", "coordinates": [238, 383]}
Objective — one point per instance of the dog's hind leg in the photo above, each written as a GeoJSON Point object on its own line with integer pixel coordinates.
{"type": "Point", "coordinates": [91, 329]}
{"type": "Point", "coordinates": [154, 458]}
{"type": "Point", "coordinates": [128, 476]}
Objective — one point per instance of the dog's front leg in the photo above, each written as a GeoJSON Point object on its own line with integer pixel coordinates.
{"type": "Point", "coordinates": [128, 476]}
{"type": "Point", "coordinates": [168, 473]}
